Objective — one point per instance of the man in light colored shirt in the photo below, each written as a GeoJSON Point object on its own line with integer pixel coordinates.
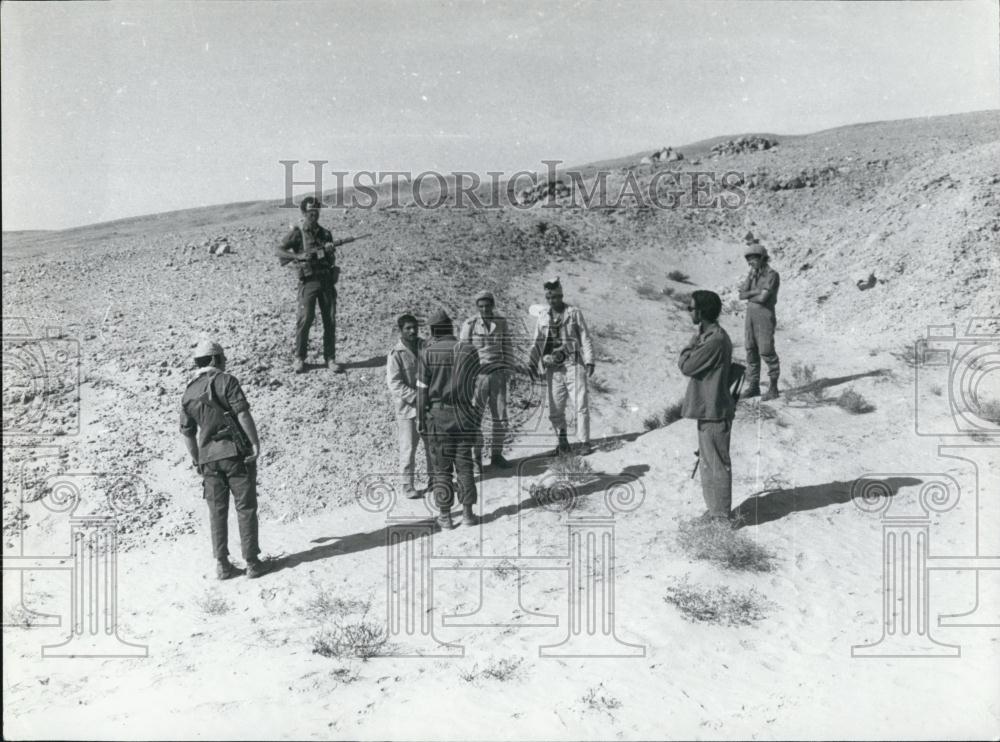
{"type": "Point", "coordinates": [563, 351]}
{"type": "Point", "coordinates": [490, 335]}
{"type": "Point", "coordinates": [401, 378]}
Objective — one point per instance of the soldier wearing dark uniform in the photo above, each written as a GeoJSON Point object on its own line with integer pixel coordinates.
{"type": "Point", "coordinates": [760, 290]}
{"type": "Point", "coordinates": [221, 436]}
{"type": "Point", "coordinates": [311, 249]}
{"type": "Point", "coordinates": [447, 371]}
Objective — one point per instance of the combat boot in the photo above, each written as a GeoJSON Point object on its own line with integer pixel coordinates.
{"type": "Point", "coordinates": [499, 461]}
{"type": "Point", "coordinates": [300, 365]}
{"type": "Point", "coordinates": [444, 521]}
{"type": "Point", "coordinates": [563, 447]}
{"type": "Point", "coordinates": [752, 390]}
{"type": "Point", "coordinates": [469, 516]}
{"type": "Point", "coordinates": [255, 568]}
{"type": "Point", "coordinates": [772, 391]}
{"type": "Point", "coordinates": [224, 569]}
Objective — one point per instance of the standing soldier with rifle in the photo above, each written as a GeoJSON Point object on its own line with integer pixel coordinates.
{"type": "Point", "coordinates": [312, 250]}
{"type": "Point", "coordinates": [760, 290]}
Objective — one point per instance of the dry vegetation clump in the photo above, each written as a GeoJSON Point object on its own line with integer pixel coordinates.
{"type": "Point", "coordinates": [213, 604]}
{"type": "Point", "coordinates": [679, 276]}
{"type": "Point", "coordinates": [341, 639]}
{"type": "Point", "coordinates": [597, 700]}
{"type": "Point", "coordinates": [503, 670]}
{"type": "Point", "coordinates": [649, 291]}
{"type": "Point", "coordinates": [670, 414]}
{"type": "Point", "coordinates": [720, 605]}
{"type": "Point", "coordinates": [718, 542]}
{"type": "Point", "coordinates": [324, 604]}
{"type": "Point", "coordinates": [854, 403]}
{"type": "Point", "coordinates": [569, 466]}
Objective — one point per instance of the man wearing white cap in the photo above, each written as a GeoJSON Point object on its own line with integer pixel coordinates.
{"type": "Point", "coordinates": [563, 347]}
{"type": "Point", "coordinates": [221, 437]}
{"type": "Point", "coordinates": [760, 290]}
{"type": "Point", "coordinates": [490, 336]}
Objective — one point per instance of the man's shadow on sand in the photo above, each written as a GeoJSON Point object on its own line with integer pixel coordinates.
{"type": "Point", "coordinates": [330, 546]}
{"type": "Point", "coordinates": [769, 505]}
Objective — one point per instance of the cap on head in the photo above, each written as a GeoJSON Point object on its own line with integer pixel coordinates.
{"type": "Point", "coordinates": [439, 318]}
{"type": "Point", "coordinates": [309, 203]}
{"type": "Point", "coordinates": [755, 248]}
{"type": "Point", "coordinates": [485, 296]}
{"type": "Point", "coordinates": [207, 348]}
{"type": "Point", "coordinates": [552, 284]}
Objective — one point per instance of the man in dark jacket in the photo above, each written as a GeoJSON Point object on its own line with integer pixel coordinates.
{"type": "Point", "coordinates": [447, 370]}
{"type": "Point", "coordinates": [706, 360]}
{"type": "Point", "coordinates": [215, 417]}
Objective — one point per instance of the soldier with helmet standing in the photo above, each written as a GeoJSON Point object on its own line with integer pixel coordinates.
{"type": "Point", "coordinates": [221, 437]}
{"type": "Point", "coordinates": [760, 290]}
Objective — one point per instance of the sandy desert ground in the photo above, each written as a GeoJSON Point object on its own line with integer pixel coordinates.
{"type": "Point", "coordinates": [529, 634]}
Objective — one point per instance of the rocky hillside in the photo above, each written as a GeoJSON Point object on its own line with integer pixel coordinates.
{"type": "Point", "coordinates": [913, 204]}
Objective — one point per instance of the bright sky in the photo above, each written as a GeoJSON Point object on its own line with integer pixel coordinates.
{"type": "Point", "coordinates": [118, 109]}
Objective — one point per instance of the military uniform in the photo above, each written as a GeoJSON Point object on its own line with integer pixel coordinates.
{"type": "Point", "coordinates": [317, 286]}
{"type": "Point", "coordinates": [492, 342]}
{"type": "Point", "coordinates": [706, 361]}
{"type": "Point", "coordinates": [446, 381]}
{"type": "Point", "coordinates": [760, 326]}
{"type": "Point", "coordinates": [220, 460]}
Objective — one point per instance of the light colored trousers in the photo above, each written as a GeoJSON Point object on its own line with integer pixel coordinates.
{"type": "Point", "coordinates": [408, 438]}
{"type": "Point", "coordinates": [491, 397]}
{"type": "Point", "coordinates": [568, 385]}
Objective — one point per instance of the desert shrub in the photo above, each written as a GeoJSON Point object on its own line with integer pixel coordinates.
{"type": "Point", "coordinates": [341, 639]}
{"type": "Point", "coordinates": [596, 699]}
{"type": "Point", "coordinates": [908, 354]}
{"type": "Point", "coordinates": [854, 403]}
{"type": "Point", "coordinates": [213, 604]}
{"type": "Point", "coordinates": [719, 605]}
{"type": "Point", "coordinates": [803, 374]}
{"type": "Point", "coordinates": [567, 466]}
{"type": "Point", "coordinates": [324, 604]}
{"type": "Point", "coordinates": [502, 670]}
{"type": "Point", "coordinates": [679, 276]}
{"type": "Point", "coordinates": [670, 414]}
{"type": "Point", "coordinates": [717, 542]}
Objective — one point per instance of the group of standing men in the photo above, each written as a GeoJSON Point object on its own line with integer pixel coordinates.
{"type": "Point", "coordinates": [443, 386]}
{"type": "Point", "coordinates": [442, 389]}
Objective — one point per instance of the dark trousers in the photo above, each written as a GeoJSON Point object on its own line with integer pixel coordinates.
{"type": "Point", "coordinates": [716, 468]}
{"type": "Point", "coordinates": [311, 293]}
{"type": "Point", "coordinates": [450, 441]}
{"type": "Point", "coordinates": [759, 342]}
{"type": "Point", "coordinates": [220, 478]}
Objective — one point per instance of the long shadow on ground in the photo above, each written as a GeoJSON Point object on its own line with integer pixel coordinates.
{"type": "Point", "coordinates": [330, 546]}
{"type": "Point", "coordinates": [770, 505]}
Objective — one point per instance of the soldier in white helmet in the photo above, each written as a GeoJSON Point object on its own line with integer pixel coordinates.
{"type": "Point", "coordinates": [760, 290]}
{"type": "Point", "coordinates": [221, 437]}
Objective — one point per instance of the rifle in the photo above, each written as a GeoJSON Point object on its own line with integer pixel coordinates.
{"type": "Point", "coordinates": [240, 438]}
